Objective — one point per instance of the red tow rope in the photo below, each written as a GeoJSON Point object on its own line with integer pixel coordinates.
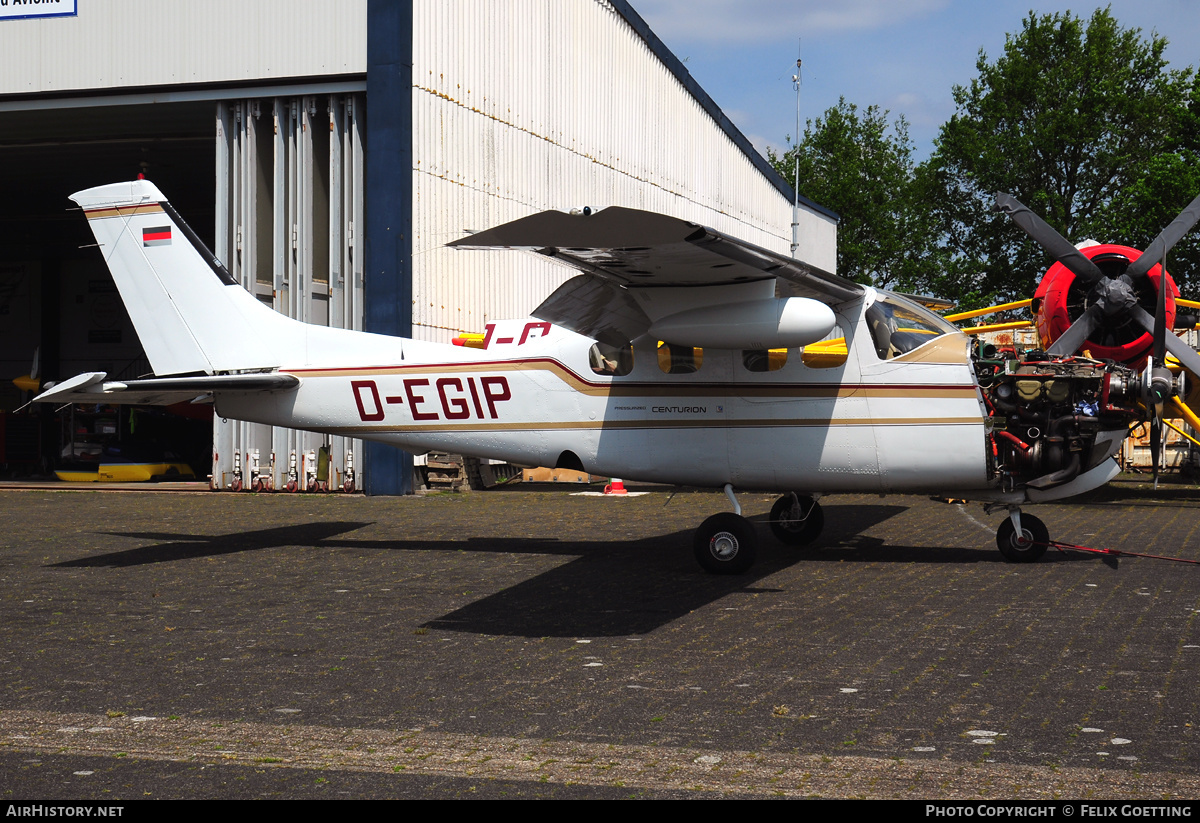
{"type": "Point", "coordinates": [1058, 544]}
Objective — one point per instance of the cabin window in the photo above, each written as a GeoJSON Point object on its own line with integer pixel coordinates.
{"type": "Point", "coordinates": [615, 361]}
{"type": "Point", "coordinates": [828, 353]}
{"type": "Point", "coordinates": [763, 360]}
{"type": "Point", "coordinates": [679, 359]}
{"type": "Point", "coordinates": [898, 327]}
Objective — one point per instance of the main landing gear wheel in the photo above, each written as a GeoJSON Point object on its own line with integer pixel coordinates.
{"type": "Point", "coordinates": [725, 543]}
{"type": "Point", "coordinates": [796, 520]}
{"type": "Point", "coordinates": [1026, 547]}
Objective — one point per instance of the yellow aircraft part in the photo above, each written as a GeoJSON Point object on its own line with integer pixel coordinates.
{"type": "Point", "coordinates": [471, 340]}
{"type": "Point", "coordinates": [1185, 412]}
{"type": "Point", "coordinates": [1016, 324]}
{"type": "Point", "coordinates": [1171, 425]}
{"type": "Point", "coordinates": [126, 473]}
{"type": "Point", "coordinates": [27, 383]}
{"type": "Point", "coordinates": [965, 315]}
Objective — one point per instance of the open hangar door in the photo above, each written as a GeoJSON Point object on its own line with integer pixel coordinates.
{"type": "Point", "coordinates": [273, 185]}
{"type": "Point", "coordinates": [57, 297]}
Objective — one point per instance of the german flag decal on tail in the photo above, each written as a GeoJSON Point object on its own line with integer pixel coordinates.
{"type": "Point", "coordinates": [156, 236]}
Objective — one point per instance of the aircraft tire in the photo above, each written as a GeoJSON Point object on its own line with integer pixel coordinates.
{"type": "Point", "coordinates": [797, 529]}
{"type": "Point", "coordinates": [1032, 546]}
{"type": "Point", "coordinates": [725, 544]}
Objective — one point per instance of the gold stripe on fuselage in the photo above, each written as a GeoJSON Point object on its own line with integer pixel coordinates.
{"type": "Point", "coordinates": [651, 390]}
{"type": "Point", "coordinates": [666, 423]}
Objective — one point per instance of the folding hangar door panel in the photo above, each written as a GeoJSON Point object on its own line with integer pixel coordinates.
{"type": "Point", "coordinates": [288, 227]}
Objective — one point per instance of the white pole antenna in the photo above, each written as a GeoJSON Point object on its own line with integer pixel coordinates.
{"type": "Point", "coordinates": [797, 81]}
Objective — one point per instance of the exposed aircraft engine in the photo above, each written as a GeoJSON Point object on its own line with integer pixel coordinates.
{"type": "Point", "coordinates": [1052, 419]}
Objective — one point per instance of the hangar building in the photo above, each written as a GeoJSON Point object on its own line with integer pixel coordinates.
{"type": "Point", "coordinates": [327, 150]}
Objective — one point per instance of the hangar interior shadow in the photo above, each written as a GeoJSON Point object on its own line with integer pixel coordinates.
{"type": "Point", "coordinates": [56, 294]}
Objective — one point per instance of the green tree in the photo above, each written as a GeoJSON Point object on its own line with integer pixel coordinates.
{"type": "Point", "coordinates": [1084, 124]}
{"type": "Point", "coordinates": [860, 165]}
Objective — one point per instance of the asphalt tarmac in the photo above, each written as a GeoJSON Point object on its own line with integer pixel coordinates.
{"type": "Point", "coordinates": [528, 642]}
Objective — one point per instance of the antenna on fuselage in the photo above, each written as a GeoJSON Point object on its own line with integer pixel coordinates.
{"type": "Point", "coordinates": [797, 82]}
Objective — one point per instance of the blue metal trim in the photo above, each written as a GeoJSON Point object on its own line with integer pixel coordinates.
{"type": "Point", "coordinates": [387, 280]}
{"type": "Point", "coordinates": [677, 68]}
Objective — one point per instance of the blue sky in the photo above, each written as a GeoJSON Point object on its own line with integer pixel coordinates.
{"type": "Point", "coordinates": [902, 55]}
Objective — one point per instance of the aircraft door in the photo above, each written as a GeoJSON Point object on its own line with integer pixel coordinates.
{"type": "Point", "coordinates": [798, 420]}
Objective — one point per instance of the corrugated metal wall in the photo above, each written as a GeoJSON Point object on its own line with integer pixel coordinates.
{"type": "Point", "coordinates": [134, 43]}
{"type": "Point", "coordinates": [525, 105]}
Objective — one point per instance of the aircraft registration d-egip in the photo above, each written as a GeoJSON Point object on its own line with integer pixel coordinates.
{"type": "Point", "coordinates": [679, 355]}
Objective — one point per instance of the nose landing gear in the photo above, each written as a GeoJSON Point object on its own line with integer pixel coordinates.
{"type": "Point", "coordinates": [1022, 538]}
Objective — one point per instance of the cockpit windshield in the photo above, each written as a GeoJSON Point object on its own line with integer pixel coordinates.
{"type": "Point", "coordinates": [898, 326]}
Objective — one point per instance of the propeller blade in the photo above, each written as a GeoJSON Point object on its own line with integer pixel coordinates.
{"type": "Point", "coordinates": [1072, 339]}
{"type": "Point", "coordinates": [1184, 353]}
{"type": "Point", "coordinates": [1155, 444]}
{"type": "Point", "coordinates": [1167, 238]}
{"type": "Point", "coordinates": [1160, 322]}
{"type": "Point", "coordinates": [1058, 246]}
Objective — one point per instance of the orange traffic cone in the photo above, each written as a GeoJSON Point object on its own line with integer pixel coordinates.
{"type": "Point", "coordinates": [615, 487]}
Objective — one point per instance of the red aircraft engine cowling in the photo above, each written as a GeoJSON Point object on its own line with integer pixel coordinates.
{"type": "Point", "coordinates": [1056, 306]}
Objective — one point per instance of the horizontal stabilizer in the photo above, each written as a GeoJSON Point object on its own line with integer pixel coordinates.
{"type": "Point", "coordinates": [91, 387]}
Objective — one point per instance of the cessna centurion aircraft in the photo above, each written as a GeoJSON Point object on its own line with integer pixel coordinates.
{"type": "Point", "coordinates": [679, 355]}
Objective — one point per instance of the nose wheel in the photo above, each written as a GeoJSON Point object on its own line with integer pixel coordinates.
{"type": "Point", "coordinates": [1023, 541]}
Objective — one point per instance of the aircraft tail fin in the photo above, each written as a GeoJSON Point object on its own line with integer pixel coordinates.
{"type": "Point", "coordinates": [189, 313]}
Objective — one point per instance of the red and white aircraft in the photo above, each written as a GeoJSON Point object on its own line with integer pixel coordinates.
{"type": "Point", "coordinates": [678, 355]}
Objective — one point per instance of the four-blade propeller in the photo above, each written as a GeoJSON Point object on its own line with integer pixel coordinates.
{"type": "Point", "coordinates": [1116, 298]}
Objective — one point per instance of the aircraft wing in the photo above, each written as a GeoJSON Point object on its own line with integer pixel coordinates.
{"type": "Point", "coordinates": [620, 250]}
{"type": "Point", "coordinates": [92, 387]}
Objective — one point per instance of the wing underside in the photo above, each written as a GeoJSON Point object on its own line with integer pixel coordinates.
{"type": "Point", "coordinates": [621, 251]}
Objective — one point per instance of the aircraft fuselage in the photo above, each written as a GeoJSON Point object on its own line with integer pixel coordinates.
{"type": "Point", "coordinates": [532, 397]}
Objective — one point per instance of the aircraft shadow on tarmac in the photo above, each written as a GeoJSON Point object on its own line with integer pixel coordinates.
{"type": "Point", "coordinates": [608, 588]}
{"type": "Point", "coordinates": [189, 546]}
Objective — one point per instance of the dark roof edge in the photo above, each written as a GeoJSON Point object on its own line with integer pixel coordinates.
{"type": "Point", "coordinates": [684, 76]}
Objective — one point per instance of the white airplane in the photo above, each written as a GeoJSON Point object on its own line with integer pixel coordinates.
{"type": "Point", "coordinates": [680, 355]}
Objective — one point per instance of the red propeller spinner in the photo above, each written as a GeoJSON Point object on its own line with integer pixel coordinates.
{"type": "Point", "coordinates": [1061, 299]}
